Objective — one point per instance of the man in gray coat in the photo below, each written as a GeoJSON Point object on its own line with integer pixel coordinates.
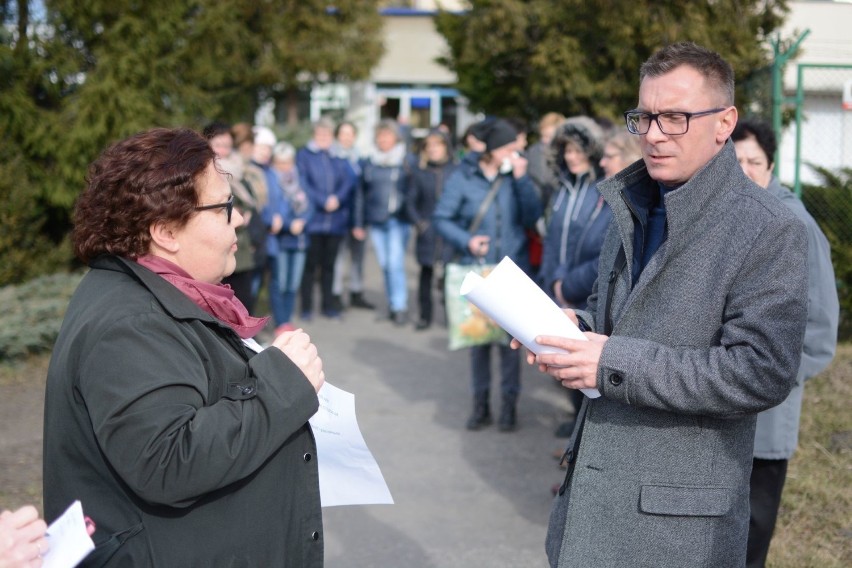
{"type": "Point", "coordinates": [700, 310]}
{"type": "Point", "coordinates": [778, 428]}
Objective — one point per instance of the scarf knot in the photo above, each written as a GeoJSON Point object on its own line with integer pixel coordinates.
{"type": "Point", "coordinates": [218, 300]}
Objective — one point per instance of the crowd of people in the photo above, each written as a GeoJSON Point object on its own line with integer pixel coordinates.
{"type": "Point", "coordinates": [704, 288]}
{"type": "Point", "coordinates": [309, 212]}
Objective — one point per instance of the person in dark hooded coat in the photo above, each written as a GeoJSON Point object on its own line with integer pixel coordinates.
{"type": "Point", "coordinates": [434, 166]}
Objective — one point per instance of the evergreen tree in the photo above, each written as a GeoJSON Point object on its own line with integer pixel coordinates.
{"type": "Point", "coordinates": [309, 41]}
{"type": "Point", "coordinates": [525, 58]}
{"type": "Point", "coordinates": [89, 73]}
{"type": "Point", "coordinates": [30, 241]}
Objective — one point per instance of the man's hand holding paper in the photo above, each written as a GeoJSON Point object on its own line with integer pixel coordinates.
{"type": "Point", "coordinates": [577, 366]}
{"type": "Point", "coordinates": [518, 305]}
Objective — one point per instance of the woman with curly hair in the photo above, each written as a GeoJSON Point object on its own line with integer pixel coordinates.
{"type": "Point", "coordinates": [187, 442]}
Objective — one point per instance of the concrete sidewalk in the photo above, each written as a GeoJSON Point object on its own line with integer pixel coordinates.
{"type": "Point", "coordinates": [462, 499]}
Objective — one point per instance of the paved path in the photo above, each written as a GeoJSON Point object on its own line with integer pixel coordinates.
{"type": "Point", "coordinates": [462, 499]}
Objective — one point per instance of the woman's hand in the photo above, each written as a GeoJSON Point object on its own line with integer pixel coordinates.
{"type": "Point", "coordinates": [277, 223]}
{"type": "Point", "coordinates": [332, 204]}
{"type": "Point", "coordinates": [297, 346]}
{"type": "Point", "coordinates": [478, 245]}
{"type": "Point", "coordinates": [22, 538]}
{"type": "Point", "coordinates": [297, 226]}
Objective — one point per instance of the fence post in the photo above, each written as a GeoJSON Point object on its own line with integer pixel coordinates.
{"type": "Point", "coordinates": [778, 62]}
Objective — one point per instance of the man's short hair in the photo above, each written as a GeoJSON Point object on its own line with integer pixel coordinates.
{"type": "Point", "coordinates": [710, 64]}
{"type": "Point", "coordinates": [761, 131]}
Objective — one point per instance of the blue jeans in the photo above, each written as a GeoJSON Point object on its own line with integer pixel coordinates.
{"type": "Point", "coordinates": [390, 239]}
{"type": "Point", "coordinates": [285, 272]}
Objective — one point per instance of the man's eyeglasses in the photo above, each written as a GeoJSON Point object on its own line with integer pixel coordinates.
{"type": "Point", "coordinates": [227, 206]}
{"type": "Point", "coordinates": [670, 123]}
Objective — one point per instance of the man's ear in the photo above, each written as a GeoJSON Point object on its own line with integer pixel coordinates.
{"type": "Point", "coordinates": [163, 237]}
{"type": "Point", "coordinates": [727, 124]}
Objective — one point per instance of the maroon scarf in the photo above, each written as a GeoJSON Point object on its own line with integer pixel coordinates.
{"type": "Point", "coordinates": [218, 300]}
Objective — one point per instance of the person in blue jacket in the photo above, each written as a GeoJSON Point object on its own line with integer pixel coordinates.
{"type": "Point", "coordinates": [579, 215]}
{"type": "Point", "coordinates": [329, 182]}
{"type": "Point", "coordinates": [579, 219]}
{"type": "Point", "coordinates": [380, 205]}
{"type": "Point", "coordinates": [287, 214]}
{"type": "Point", "coordinates": [501, 232]}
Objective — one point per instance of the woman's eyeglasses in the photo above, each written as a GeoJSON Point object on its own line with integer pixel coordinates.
{"type": "Point", "coordinates": [227, 206]}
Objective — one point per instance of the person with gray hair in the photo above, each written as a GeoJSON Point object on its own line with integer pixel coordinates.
{"type": "Point", "coordinates": [777, 433]}
{"type": "Point", "coordinates": [329, 183]}
{"type": "Point", "coordinates": [621, 150]}
{"type": "Point", "coordinates": [354, 243]}
{"type": "Point", "coordinates": [292, 211]}
{"type": "Point", "coordinates": [694, 326]}
{"type": "Point", "coordinates": [380, 205]}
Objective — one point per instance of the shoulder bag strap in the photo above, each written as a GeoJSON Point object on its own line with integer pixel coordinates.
{"type": "Point", "coordinates": [486, 203]}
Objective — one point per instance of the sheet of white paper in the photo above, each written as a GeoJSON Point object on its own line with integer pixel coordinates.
{"type": "Point", "coordinates": [68, 539]}
{"type": "Point", "coordinates": [518, 305]}
{"type": "Point", "coordinates": [348, 473]}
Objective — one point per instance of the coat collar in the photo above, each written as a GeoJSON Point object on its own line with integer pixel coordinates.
{"type": "Point", "coordinates": [630, 192]}
{"type": "Point", "coordinates": [634, 188]}
{"type": "Point", "coordinates": [173, 301]}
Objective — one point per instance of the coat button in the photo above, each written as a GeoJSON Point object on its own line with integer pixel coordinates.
{"type": "Point", "coordinates": [615, 379]}
{"type": "Point", "coordinates": [315, 535]}
{"type": "Point", "coordinates": [307, 457]}
{"type": "Point", "coordinates": [247, 390]}
{"type": "Point", "coordinates": [612, 276]}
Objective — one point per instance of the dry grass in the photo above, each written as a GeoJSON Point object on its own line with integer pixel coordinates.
{"type": "Point", "coordinates": [815, 523]}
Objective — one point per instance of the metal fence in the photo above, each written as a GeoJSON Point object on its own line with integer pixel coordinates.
{"type": "Point", "coordinates": [822, 133]}
{"type": "Point", "coordinates": [816, 161]}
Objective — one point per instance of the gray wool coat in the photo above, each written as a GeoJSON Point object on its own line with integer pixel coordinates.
{"type": "Point", "coordinates": [709, 335]}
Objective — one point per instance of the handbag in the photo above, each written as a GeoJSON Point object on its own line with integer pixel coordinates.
{"type": "Point", "coordinates": [467, 325]}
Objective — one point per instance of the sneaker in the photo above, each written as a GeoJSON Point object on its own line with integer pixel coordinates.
{"type": "Point", "coordinates": [422, 324]}
{"type": "Point", "coordinates": [332, 314]}
{"type": "Point", "coordinates": [337, 303]}
{"type": "Point", "coordinates": [306, 316]}
{"type": "Point", "coordinates": [400, 318]}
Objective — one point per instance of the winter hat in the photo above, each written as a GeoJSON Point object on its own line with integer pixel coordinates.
{"type": "Point", "coordinates": [585, 133]}
{"type": "Point", "coordinates": [498, 133]}
{"type": "Point", "coordinates": [263, 135]}
{"type": "Point", "coordinates": [479, 129]}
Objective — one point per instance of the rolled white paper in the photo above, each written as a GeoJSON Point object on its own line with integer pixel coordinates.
{"type": "Point", "coordinates": [518, 305]}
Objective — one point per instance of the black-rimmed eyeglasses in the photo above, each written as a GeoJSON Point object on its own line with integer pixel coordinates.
{"type": "Point", "coordinates": [670, 123]}
{"type": "Point", "coordinates": [228, 206]}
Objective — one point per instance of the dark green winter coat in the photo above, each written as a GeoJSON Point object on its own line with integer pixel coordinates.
{"type": "Point", "coordinates": [185, 447]}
